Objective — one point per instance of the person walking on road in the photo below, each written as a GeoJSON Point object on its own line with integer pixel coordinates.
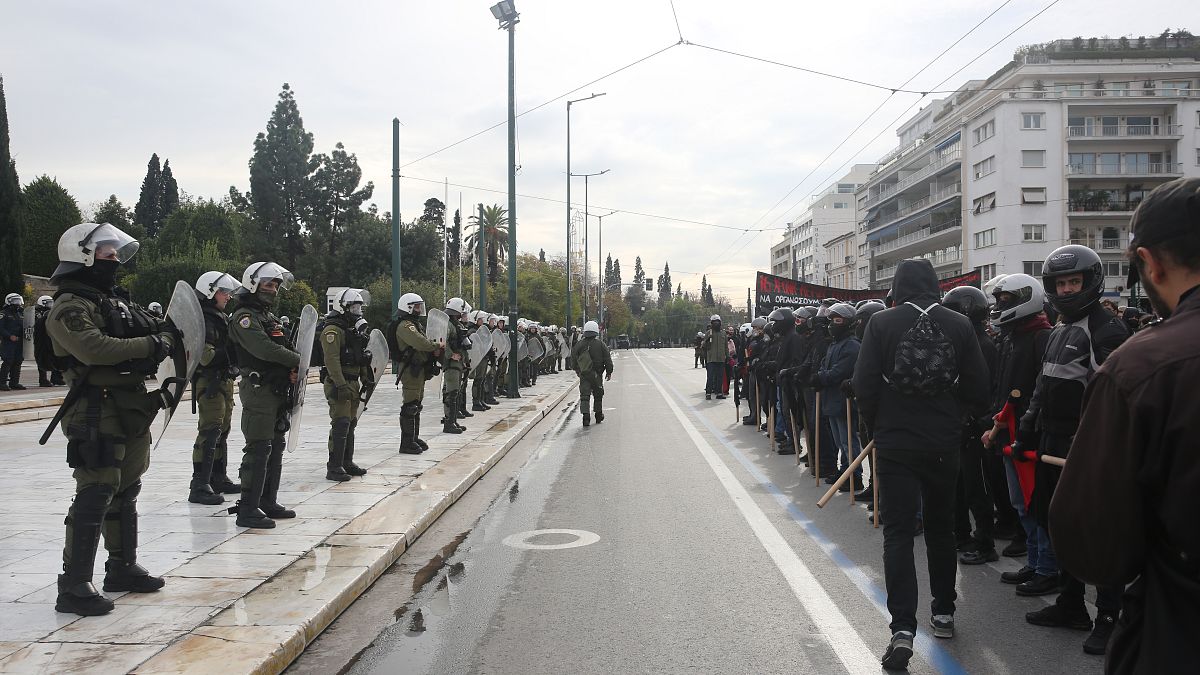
{"type": "Point", "coordinates": [269, 368]}
{"type": "Point", "coordinates": [715, 348]}
{"type": "Point", "coordinates": [905, 381]}
{"type": "Point", "coordinates": [593, 364]}
{"type": "Point", "coordinates": [108, 347]}
{"type": "Point", "coordinates": [212, 390]}
{"type": "Point", "coordinates": [12, 348]}
{"type": "Point", "coordinates": [346, 365]}
{"type": "Point", "coordinates": [1125, 507]}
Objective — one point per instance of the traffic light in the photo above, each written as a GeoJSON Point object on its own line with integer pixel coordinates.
{"type": "Point", "coordinates": [649, 284]}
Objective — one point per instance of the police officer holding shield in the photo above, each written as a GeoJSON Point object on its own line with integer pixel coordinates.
{"type": "Point", "coordinates": [346, 365]}
{"type": "Point", "coordinates": [212, 391]}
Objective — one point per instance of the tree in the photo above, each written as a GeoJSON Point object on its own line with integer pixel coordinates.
{"type": "Point", "coordinates": [11, 226]}
{"type": "Point", "coordinates": [336, 199]}
{"type": "Point", "coordinates": [541, 255]}
{"type": "Point", "coordinates": [495, 231]}
{"type": "Point", "coordinates": [196, 225]}
{"type": "Point", "coordinates": [366, 251]}
{"type": "Point", "coordinates": [281, 171]}
{"type": "Point", "coordinates": [664, 286]}
{"type": "Point", "coordinates": [454, 246]}
{"type": "Point", "coordinates": [678, 290]}
{"type": "Point", "coordinates": [435, 214]}
{"type": "Point", "coordinates": [155, 278]}
{"type": "Point", "coordinates": [49, 210]}
{"type": "Point", "coordinates": [616, 280]}
{"type": "Point", "coordinates": [706, 292]}
{"type": "Point", "coordinates": [145, 212]}
{"type": "Point", "coordinates": [635, 297]}
{"type": "Point", "coordinates": [420, 251]}
{"type": "Point", "coordinates": [168, 196]}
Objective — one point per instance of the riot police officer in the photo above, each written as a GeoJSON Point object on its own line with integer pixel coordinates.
{"type": "Point", "coordinates": [479, 371]}
{"type": "Point", "coordinates": [212, 392]}
{"type": "Point", "coordinates": [43, 349]}
{"type": "Point", "coordinates": [107, 346]}
{"type": "Point", "coordinates": [268, 366]}
{"type": "Point", "coordinates": [454, 362]}
{"type": "Point", "coordinates": [12, 349]}
{"type": "Point", "coordinates": [416, 356]}
{"type": "Point", "coordinates": [346, 364]}
{"type": "Point", "coordinates": [593, 364]}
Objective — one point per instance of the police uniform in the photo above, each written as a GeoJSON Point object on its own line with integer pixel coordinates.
{"type": "Point", "coordinates": [452, 381]}
{"type": "Point", "coordinates": [417, 366]}
{"type": "Point", "coordinates": [479, 377]}
{"type": "Point", "coordinates": [12, 331]}
{"type": "Point", "coordinates": [43, 350]}
{"type": "Point", "coordinates": [347, 365]}
{"type": "Point", "coordinates": [212, 393]}
{"type": "Point", "coordinates": [266, 360]}
{"type": "Point", "coordinates": [592, 364]}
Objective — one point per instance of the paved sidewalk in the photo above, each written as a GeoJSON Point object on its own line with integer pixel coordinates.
{"type": "Point", "coordinates": [237, 600]}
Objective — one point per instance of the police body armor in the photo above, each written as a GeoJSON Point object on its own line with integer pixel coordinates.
{"type": "Point", "coordinates": [119, 319]}
{"type": "Point", "coordinates": [257, 371]}
{"type": "Point", "coordinates": [354, 347]}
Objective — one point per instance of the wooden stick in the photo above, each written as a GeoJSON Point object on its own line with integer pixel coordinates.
{"type": "Point", "coordinates": [817, 434]}
{"type": "Point", "coordinates": [874, 483]}
{"type": "Point", "coordinates": [771, 425]}
{"type": "Point", "coordinates": [844, 477]}
{"type": "Point", "coordinates": [1053, 461]}
{"type": "Point", "coordinates": [849, 441]}
{"type": "Point", "coordinates": [795, 440]}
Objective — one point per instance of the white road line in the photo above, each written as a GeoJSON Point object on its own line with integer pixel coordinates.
{"type": "Point", "coordinates": [828, 619]}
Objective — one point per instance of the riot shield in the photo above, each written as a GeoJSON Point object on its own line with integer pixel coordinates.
{"type": "Point", "coordinates": [536, 349]}
{"type": "Point", "coordinates": [377, 347]}
{"type": "Point", "coordinates": [437, 327]}
{"type": "Point", "coordinates": [306, 330]}
{"type": "Point", "coordinates": [185, 314]}
{"type": "Point", "coordinates": [481, 343]}
{"type": "Point", "coordinates": [501, 342]}
{"type": "Point", "coordinates": [522, 347]}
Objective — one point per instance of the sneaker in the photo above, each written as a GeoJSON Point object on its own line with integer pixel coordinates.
{"type": "Point", "coordinates": [19, 387]}
{"type": "Point", "coordinates": [1097, 643]}
{"type": "Point", "coordinates": [867, 495]}
{"type": "Point", "coordinates": [942, 625]}
{"type": "Point", "coordinates": [899, 651]}
{"type": "Point", "coordinates": [708, 397]}
{"type": "Point", "coordinates": [1019, 577]}
{"type": "Point", "coordinates": [1039, 584]}
{"type": "Point", "coordinates": [978, 557]}
{"type": "Point", "coordinates": [722, 397]}
{"type": "Point", "coordinates": [1056, 616]}
{"type": "Point", "coordinates": [1015, 549]}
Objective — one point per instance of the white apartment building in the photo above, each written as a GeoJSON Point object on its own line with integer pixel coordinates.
{"type": "Point", "coordinates": [842, 256]}
{"type": "Point", "coordinates": [1057, 147]}
{"type": "Point", "coordinates": [801, 254]}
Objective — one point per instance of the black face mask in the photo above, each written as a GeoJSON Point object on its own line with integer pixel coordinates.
{"type": "Point", "coordinates": [102, 274]}
{"type": "Point", "coordinates": [838, 331]}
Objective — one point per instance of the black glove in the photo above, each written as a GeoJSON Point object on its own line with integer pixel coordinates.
{"type": "Point", "coordinates": [847, 388]}
{"type": "Point", "coordinates": [164, 343]}
{"type": "Point", "coordinates": [1026, 440]}
{"type": "Point", "coordinates": [815, 381]}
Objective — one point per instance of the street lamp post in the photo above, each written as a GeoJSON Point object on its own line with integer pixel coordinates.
{"type": "Point", "coordinates": [568, 322]}
{"type": "Point", "coordinates": [585, 177]}
{"type": "Point", "coordinates": [600, 262]}
{"type": "Point", "coordinates": [506, 13]}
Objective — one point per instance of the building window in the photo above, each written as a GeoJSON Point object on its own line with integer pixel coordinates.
{"type": "Point", "coordinates": [1118, 88]}
{"type": "Point", "coordinates": [1176, 87]}
{"type": "Point", "coordinates": [847, 187]}
{"type": "Point", "coordinates": [1033, 158]}
{"type": "Point", "coordinates": [985, 167]}
{"type": "Point", "coordinates": [986, 238]}
{"type": "Point", "coordinates": [1197, 156]}
{"type": "Point", "coordinates": [1115, 268]}
{"type": "Point", "coordinates": [984, 204]}
{"type": "Point", "coordinates": [1033, 232]}
{"type": "Point", "coordinates": [1033, 268]}
{"type": "Point", "coordinates": [841, 205]}
{"type": "Point", "coordinates": [1033, 195]}
{"type": "Point", "coordinates": [985, 131]}
{"type": "Point", "coordinates": [986, 272]}
{"type": "Point", "coordinates": [1033, 120]}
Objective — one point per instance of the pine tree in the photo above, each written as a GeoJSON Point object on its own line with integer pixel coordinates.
{"type": "Point", "coordinates": [336, 197]}
{"type": "Point", "coordinates": [49, 210]}
{"type": "Point", "coordinates": [455, 244]}
{"type": "Point", "coordinates": [617, 274]}
{"type": "Point", "coordinates": [146, 212]}
{"type": "Point", "coordinates": [168, 197]}
{"type": "Point", "coordinates": [679, 290]}
{"type": "Point", "coordinates": [11, 226]}
{"type": "Point", "coordinates": [635, 297]}
{"type": "Point", "coordinates": [608, 271]}
{"type": "Point", "coordinates": [281, 174]}
{"type": "Point", "coordinates": [664, 286]}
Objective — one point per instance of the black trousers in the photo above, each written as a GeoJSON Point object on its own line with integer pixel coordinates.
{"type": "Point", "coordinates": [906, 479]}
{"type": "Point", "coordinates": [716, 376]}
{"type": "Point", "coordinates": [1108, 598]}
{"type": "Point", "coordinates": [972, 495]}
{"type": "Point", "coordinates": [10, 370]}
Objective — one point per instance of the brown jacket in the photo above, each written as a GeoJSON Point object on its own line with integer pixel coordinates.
{"type": "Point", "coordinates": [1127, 501]}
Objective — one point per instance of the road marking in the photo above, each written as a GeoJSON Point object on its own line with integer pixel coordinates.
{"type": "Point", "coordinates": [521, 539]}
{"type": "Point", "coordinates": [829, 620]}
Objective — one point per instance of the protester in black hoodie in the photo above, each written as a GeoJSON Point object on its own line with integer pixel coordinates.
{"type": "Point", "coordinates": [917, 439]}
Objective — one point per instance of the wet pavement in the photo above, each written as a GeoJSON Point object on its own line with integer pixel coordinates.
{"type": "Point", "coordinates": [678, 541]}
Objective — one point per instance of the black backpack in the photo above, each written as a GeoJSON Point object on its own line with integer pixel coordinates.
{"type": "Point", "coordinates": [393, 345]}
{"type": "Point", "coordinates": [925, 361]}
{"type": "Point", "coordinates": [317, 358]}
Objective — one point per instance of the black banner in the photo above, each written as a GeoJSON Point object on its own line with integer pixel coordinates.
{"type": "Point", "coordinates": [773, 291]}
{"type": "Point", "coordinates": [968, 279]}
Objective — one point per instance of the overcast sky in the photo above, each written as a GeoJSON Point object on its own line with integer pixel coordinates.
{"type": "Point", "coordinates": [95, 87]}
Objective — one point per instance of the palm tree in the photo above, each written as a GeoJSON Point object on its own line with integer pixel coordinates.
{"type": "Point", "coordinates": [495, 228]}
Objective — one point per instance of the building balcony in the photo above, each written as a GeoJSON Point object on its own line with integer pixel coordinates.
{"type": "Point", "coordinates": [937, 259]}
{"type": "Point", "coordinates": [1135, 131]}
{"type": "Point", "coordinates": [1108, 94]}
{"type": "Point", "coordinates": [917, 237]}
{"type": "Point", "coordinates": [946, 193]}
{"type": "Point", "coordinates": [1148, 170]}
{"type": "Point", "coordinates": [1098, 209]}
{"type": "Point", "coordinates": [1103, 244]}
{"type": "Point", "coordinates": [920, 174]}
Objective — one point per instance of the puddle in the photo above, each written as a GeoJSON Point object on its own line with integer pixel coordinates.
{"type": "Point", "coordinates": [513, 491]}
{"type": "Point", "coordinates": [431, 569]}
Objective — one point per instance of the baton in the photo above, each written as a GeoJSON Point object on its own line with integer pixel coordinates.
{"type": "Point", "coordinates": [817, 434]}
{"type": "Point", "coordinates": [845, 475]}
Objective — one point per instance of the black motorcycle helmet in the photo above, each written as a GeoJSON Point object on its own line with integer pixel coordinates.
{"type": "Point", "coordinates": [1074, 259]}
{"type": "Point", "coordinates": [863, 314]}
{"type": "Point", "coordinates": [968, 301]}
{"type": "Point", "coordinates": [782, 320]}
{"type": "Point", "coordinates": [846, 313]}
{"type": "Point", "coordinates": [804, 318]}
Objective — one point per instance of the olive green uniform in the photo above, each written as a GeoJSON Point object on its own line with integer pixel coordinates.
{"type": "Point", "coordinates": [108, 348]}
{"type": "Point", "coordinates": [479, 376]}
{"type": "Point", "coordinates": [454, 373]}
{"type": "Point", "coordinates": [417, 366]}
{"type": "Point", "coordinates": [266, 361]}
{"type": "Point", "coordinates": [599, 365]}
{"type": "Point", "coordinates": [347, 368]}
{"type": "Point", "coordinates": [212, 392]}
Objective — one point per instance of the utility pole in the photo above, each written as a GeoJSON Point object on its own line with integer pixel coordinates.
{"type": "Point", "coordinates": [458, 237]}
{"type": "Point", "coordinates": [445, 239]}
{"type": "Point", "coordinates": [395, 213]}
{"type": "Point", "coordinates": [481, 264]}
{"type": "Point", "coordinates": [506, 12]}
{"type": "Point", "coordinates": [600, 263]}
{"type": "Point", "coordinates": [567, 321]}
{"type": "Point", "coordinates": [585, 177]}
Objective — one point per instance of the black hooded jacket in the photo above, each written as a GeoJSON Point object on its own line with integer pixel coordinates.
{"type": "Point", "coordinates": [918, 423]}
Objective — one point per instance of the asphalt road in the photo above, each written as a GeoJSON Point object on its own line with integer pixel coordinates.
{"type": "Point", "coordinates": [694, 548]}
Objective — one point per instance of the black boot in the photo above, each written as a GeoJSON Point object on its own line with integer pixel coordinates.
{"type": "Point", "coordinates": [348, 463]}
{"type": "Point", "coordinates": [121, 572]}
{"type": "Point", "coordinates": [76, 593]}
{"type": "Point", "coordinates": [599, 409]}
{"type": "Point", "coordinates": [408, 431]}
{"type": "Point", "coordinates": [219, 479]}
{"type": "Point", "coordinates": [462, 411]}
{"type": "Point", "coordinates": [338, 432]}
{"type": "Point", "coordinates": [587, 420]}
{"type": "Point", "coordinates": [448, 421]}
{"type": "Point", "coordinates": [270, 506]}
{"type": "Point", "coordinates": [246, 508]}
{"type": "Point", "coordinates": [201, 491]}
{"type": "Point", "coordinates": [417, 432]}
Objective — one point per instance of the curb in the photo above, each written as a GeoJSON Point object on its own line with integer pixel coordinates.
{"type": "Point", "coordinates": [298, 603]}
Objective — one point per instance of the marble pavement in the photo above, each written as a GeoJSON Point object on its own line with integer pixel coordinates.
{"type": "Point", "coordinates": [236, 600]}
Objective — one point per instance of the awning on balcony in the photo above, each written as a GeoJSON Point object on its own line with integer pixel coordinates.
{"type": "Point", "coordinates": [949, 141]}
{"type": "Point", "coordinates": [888, 231]}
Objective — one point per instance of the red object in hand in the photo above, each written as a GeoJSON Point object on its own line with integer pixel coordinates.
{"type": "Point", "coordinates": [1024, 470]}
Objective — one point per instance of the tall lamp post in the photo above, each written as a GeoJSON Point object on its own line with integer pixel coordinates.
{"type": "Point", "coordinates": [600, 263]}
{"type": "Point", "coordinates": [506, 13]}
{"type": "Point", "coordinates": [585, 177]}
{"type": "Point", "coordinates": [567, 322]}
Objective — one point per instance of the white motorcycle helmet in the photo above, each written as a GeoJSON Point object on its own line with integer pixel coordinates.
{"type": "Point", "coordinates": [259, 272]}
{"type": "Point", "coordinates": [14, 299]}
{"type": "Point", "coordinates": [1026, 298]}
{"type": "Point", "coordinates": [351, 301]}
{"type": "Point", "coordinates": [210, 282]}
{"type": "Point", "coordinates": [408, 302]}
{"type": "Point", "coordinates": [591, 329]}
{"type": "Point", "coordinates": [80, 245]}
{"type": "Point", "coordinates": [457, 307]}
{"type": "Point", "coordinates": [715, 317]}
{"type": "Point", "coordinates": [155, 308]}
{"type": "Point", "coordinates": [492, 320]}
{"type": "Point", "coordinates": [45, 302]}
